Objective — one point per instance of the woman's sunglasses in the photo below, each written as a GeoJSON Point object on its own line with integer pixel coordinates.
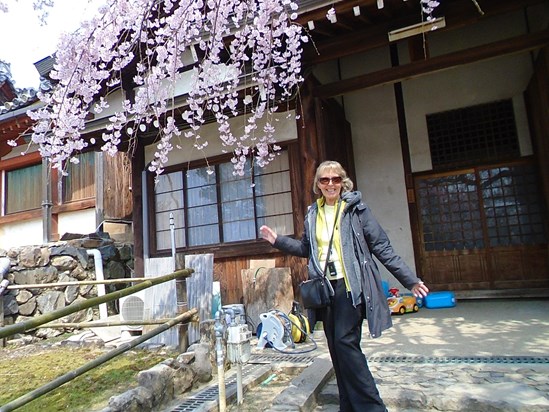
{"type": "Point", "coordinates": [326, 180]}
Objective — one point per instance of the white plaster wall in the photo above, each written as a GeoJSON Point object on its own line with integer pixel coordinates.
{"type": "Point", "coordinates": [184, 151]}
{"type": "Point", "coordinates": [21, 234]}
{"type": "Point", "coordinates": [462, 87]}
{"type": "Point", "coordinates": [82, 221]}
{"type": "Point", "coordinates": [377, 151]}
{"type": "Point", "coordinates": [30, 232]}
{"type": "Point", "coordinates": [327, 72]}
{"type": "Point", "coordinates": [378, 163]}
{"type": "Point", "coordinates": [482, 82]}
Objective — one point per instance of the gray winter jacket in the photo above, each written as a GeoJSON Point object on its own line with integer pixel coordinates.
{"type": "Point", "coordinates": [361, 237]}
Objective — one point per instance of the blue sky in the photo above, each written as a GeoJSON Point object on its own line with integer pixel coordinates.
{"type": "Point", "coordinates": [27, 42]}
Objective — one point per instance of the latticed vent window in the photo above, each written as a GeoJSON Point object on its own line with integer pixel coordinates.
{"type": "Point", "coordinates": [512, 205]}
{"type": "Point", "coordinates": [210, 205]}
{"type": "Point", "coordinates": [450, 212]}
{"type": "Point", "coordinates": [485, 207]}
{"type": "Point", "coordinates": [461, 137]}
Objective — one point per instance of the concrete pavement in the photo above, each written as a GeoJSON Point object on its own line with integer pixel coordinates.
{"type": "Point", "coordinates": [482, 355]}
{"type": "Point", "coordinates": [508, 327]}
{"type": "Point", "coordinates": [485, 355]}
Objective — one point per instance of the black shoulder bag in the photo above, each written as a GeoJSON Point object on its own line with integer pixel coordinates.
{"type": "Point", "coordinates": [317, 293]}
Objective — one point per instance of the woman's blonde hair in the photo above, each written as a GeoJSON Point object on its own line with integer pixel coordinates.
{"type": "Point", "coordinates": [333, 166]}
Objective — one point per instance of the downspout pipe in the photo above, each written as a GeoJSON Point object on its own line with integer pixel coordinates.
{"type": "Point", "coordinates": [219, 329]}
{"type": "Point", "coordinates": [98, 263]}
{"type": "Point", "coordinates": [47, 203]}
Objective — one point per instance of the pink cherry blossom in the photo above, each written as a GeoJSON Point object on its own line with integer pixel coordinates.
{"type": "Point", "coordinates": [245, 55]}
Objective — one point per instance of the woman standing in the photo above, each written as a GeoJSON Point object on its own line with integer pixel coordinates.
{"type": "Point", "coordinates": [341, 216]}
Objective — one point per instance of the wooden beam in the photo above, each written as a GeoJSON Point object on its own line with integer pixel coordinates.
{"type": "Point", "coordinates": [408, 71]}
{"type": "Point", "coordinates": [350, 43]}
{"type": "Point", "coordinates": [458, 15]}
{"type": "Point", "coordinates": [340, 7]}
{"type": "Point", "coordinates": [19, 161]}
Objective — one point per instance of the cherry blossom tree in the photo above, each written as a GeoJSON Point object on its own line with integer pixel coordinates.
{"type": "Point", "coordinates": [246, 58]}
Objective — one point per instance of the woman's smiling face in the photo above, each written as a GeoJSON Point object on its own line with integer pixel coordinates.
{"type": "Point", "coordinates": [329, 184]}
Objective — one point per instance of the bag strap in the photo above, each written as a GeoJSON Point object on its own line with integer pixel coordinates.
{"type": "Point", "coordinates": [331, 239]}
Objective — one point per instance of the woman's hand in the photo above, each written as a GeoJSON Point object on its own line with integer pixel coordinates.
{"type": "Point", "coordinates": [419, 290]}
{"type": "Point", "coordinates": [268, 234]}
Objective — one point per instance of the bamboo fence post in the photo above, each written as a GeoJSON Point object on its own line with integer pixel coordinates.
{"type": "Point", "coordinates": [75, 307]}
{"type": "Point", "coordinates": [78, 283]}
{"type": "Point", "coordinates": [2, 340]}
{"type": "Point", "coordinates": [82, 325]}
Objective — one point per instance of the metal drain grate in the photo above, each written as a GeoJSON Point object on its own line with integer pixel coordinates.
{"type": "Point", "coordinates": [210, 394]}
{"type": "Point", "coordinates": [460, 359]}
{"type": "Point", "coordinates": [280, 357]}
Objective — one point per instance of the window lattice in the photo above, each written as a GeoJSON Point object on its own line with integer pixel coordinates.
{"type": "Point", "coordinates": [450, 212]}
{"type": "Point", "coordinates": [485, 132]}
{"type": "Point", "coordinates": [210, 205]}
{"type": "Point", "coordinates": [489, 207]}
{"type": "Point", "coordinates": [512, 206]}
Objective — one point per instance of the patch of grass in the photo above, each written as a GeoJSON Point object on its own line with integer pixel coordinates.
{"type": "Point", "coordinates": [88, 392]}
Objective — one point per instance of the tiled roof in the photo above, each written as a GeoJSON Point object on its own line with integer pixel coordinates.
{"type": "Point", "coordinates": [12, 98]}
{"type": "Point", "coordinates": [24, 97]}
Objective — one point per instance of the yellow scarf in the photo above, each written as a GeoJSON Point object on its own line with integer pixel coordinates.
{"type": "Point", "coordinates": [321, 225]}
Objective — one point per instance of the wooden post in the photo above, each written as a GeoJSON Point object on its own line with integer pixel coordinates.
{"type": "Point", "coordinates": [199, 291]}
{"type": "Point", "coordinates": [182, 303]}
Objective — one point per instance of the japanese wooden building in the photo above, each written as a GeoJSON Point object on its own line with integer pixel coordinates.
{"type": "Point", "coordinates": [445, 132]}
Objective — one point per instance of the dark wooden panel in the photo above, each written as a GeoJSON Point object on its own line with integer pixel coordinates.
{"type": "Point", "coordinates": [439, 269]}
{"type": "Point", "coordinates": [535, 261]}
{"type": "Point", "coordinates": [505, 268]}
{"type": "Point", "coordinates": [508, 264]}
{"type": "Point", "coordinates": [521, 267]}
{"type": "Point", "coordinates": [472, 267]}
{"type": "Point", "coordinates": [537, 102]}
{"type": "Point", "coordinates": [117, 195]}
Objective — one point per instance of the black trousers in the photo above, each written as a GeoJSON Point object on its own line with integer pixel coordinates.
{"type": "Point", "coordinates": [343, 329]}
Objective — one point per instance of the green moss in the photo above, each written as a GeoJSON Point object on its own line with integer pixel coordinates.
{"type": "Point", "coordinates": [91, 391]}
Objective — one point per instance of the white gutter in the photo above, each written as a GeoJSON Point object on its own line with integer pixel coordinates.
{"type": "Point", "coordinates": [98, 261]}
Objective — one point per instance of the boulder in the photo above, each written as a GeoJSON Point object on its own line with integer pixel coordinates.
{"type": "Point", "coordinates": [64, 263]}
{"type": "Point", "coordinates": [139, 399]}
{"type": "Point", "coordinates": [160, 381]}
{"type": "Point", "coordinates": [11, 307]}
{"type": "Point", "coordinates": [183, 379]}
{"type": "Point", "coordinates": [47, 274]}
{"type": "Point", "coordinates": [50, 301]}
{"type": "Point", "coordinates": [23, 296]}
{"type": "Point", "coordinates": [33, 256]}
{"type": "Point", "coordinates": [202, 365]}
{"type": "Point", "coordinates": [28, 308]}
{"type": "Point", "coordinates": [65, 250]}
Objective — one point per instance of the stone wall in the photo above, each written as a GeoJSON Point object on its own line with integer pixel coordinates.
{"type": "Point", "coordinates": [68, 261]}
{"type": "Point", "coordinates": [65, 261]}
